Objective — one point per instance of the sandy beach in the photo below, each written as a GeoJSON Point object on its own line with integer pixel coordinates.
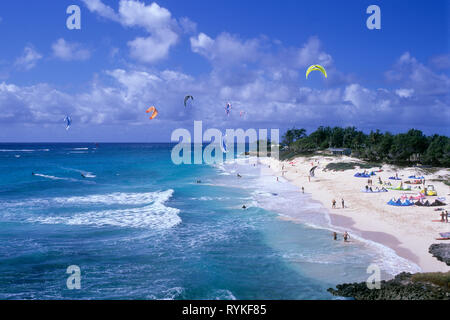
{"type": "Point", "coordinates": [407, 230]}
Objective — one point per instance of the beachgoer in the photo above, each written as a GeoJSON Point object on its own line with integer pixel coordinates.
{"type": "Point", "coordinates": [239, 176]}
{"type": "Point", "coordinates": [396, 175]}
{"type": "Point", "coordinates": [343, 203]}
{"type": "Point", "coordinates": [83, 175]}
{"type": "Point", "coordinates": [199, 181]}
{"type": "Point", "coordinates": [309, 178]}
{"type": "Point", "coordinates": [371, 190]}
{"type": "Point", "coordinates": [303, 190]}
{"type": "Point", "coordinates": [334, 236]}
{"type": "Point", "coordinates": [244, 207]}
{"type": "Point", "coordinates": [333, 204]}
{"type": "Point", "coordinates": [443, 216]}
{"type": "Point", "coordinates": [346, 236]}
{"type": "Point", "coordinates": [367, 188]}
{"type": "Point", "coordinates": [277, 179]}
{"type": "Point", "coordinates": [446, 216]}
{"type": "Point", "coordinates": [33, 174]}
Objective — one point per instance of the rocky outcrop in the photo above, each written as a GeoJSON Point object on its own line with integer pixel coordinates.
{"type": "Point", "coordinates": [441, 251]}
{"type": "Point", "coordinates": [405, 286]}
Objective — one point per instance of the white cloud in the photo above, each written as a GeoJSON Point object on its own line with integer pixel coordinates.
{"type": "Point", "coordinates": [226, 48]}
{"type": "Point", "coordinates": [441, 62]}
{"type": "Point", "coordinates": [311, 53]}
{"type": "Point", "coordinates": [28, 59]}
{"type": "Point", "coordinates": [414, 75]}
{"type": "Point", "coordinates": [69, 51]}
{"type": "Point", "coordinates": [188, 25]}
{"type": "Point", "coordinates": [152, 49]}
{"type": "Point", "coordinates": [100, 8]}
{"type": "Point", "coordinates": [404, 93]}
{"type": "Point", "coordinates": [156, 20]}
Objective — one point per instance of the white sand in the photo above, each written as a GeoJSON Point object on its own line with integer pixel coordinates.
{"type": "Point", "coordinates": [407, 230]}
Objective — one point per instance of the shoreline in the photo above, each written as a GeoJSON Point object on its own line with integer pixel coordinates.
{"type": "Point", "coordinates": [408, 233]}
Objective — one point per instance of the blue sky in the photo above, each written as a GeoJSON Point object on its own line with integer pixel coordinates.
{"type": "Point", "coordinates": [132, 54]}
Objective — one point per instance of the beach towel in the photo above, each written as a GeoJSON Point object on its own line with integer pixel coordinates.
{"type": "Point", "coordinates": [394, 178]}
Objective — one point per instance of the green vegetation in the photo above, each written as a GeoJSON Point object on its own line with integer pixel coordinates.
{"type": "Point", "coordinates": [438, 278]}
{"type": "Point", "coordinates": [342, 166]}
{"type": "Point", "coordinates": [408, 148]}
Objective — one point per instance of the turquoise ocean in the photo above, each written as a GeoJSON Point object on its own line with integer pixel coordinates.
{"type": "Point", "coordinates": [140, 227]}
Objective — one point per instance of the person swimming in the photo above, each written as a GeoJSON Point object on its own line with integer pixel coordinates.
{"type": "Point", "coordinates": [239, 176]}
{"type": "Point", "coordinates": [83, 175]}
{"type": "Point", "coordinates": [334, 235]}
{"type": "Point", "coordinates": [346, 236]}
{"type": "Point", "coordinates": [244, 207]}
{"type": "Point", "coordinates": [199, 181]}
{"type": "Point", "coordinates": [33, 174]}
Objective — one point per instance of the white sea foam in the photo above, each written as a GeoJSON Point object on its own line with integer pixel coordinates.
{"type": "Point", "coordinates": [117, 198]}
{"type": "Point", "coordinates": [24, 150]}
{"type": "Point", "coordinates": [53, 177]}
{"type": "Point", "coordinates": [87, 174]}
{"type": "Point", "coordinates": [223, 294]}
{"type": "Point", "coordinates": [155, 215]}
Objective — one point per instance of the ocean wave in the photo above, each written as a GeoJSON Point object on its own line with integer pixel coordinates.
{"type": "Point", "coordinates": [155, 215]}
{"type": "Point", "coordinates": [24, 150]}
{"type": "Point", "coordinates": [87, 174]}
{"type": "Point", "coordinates": [53, 177]}
{"type": "Point", "coordinates": [223, 294]}
{"type": "Point", "coordinates": [117, 198]}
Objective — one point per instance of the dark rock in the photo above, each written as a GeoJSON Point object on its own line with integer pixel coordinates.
{"type": "Point", "coordinates": [405, 286]}
{"type": "Point", "coordinates": [441, 251]}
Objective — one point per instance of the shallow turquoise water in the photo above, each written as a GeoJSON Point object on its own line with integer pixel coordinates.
{"type": "Point", "coordinates": [140, 227]}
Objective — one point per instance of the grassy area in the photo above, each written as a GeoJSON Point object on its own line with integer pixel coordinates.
{"type": "Point", "coordinates": [290, 155]}
{"type": "Point", "coordinates": [438, 278]}
{"type": "Point", "coordinates": [445, 181]}
{"type": "Point", "coordinates": [342, 166]}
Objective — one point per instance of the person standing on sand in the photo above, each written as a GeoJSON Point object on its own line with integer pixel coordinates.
{"type": "Point", "coordinates": [333, 204]}
{"type": "Point", "coordinates": [309, 178]}
{"type": "Point", "coordinates": [443, 216]}
{"type": "Point", "coordinates": [446, 216]}
{"type": "Point", "coordinates": [343, 203]}
{"type": "Point", "coordinates": [303, 190]}
{"type": "Point", "coordinates": [346, 236]}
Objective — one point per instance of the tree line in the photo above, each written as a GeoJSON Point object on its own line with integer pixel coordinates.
{"type": "Point", "coordinates": [411, 147]}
